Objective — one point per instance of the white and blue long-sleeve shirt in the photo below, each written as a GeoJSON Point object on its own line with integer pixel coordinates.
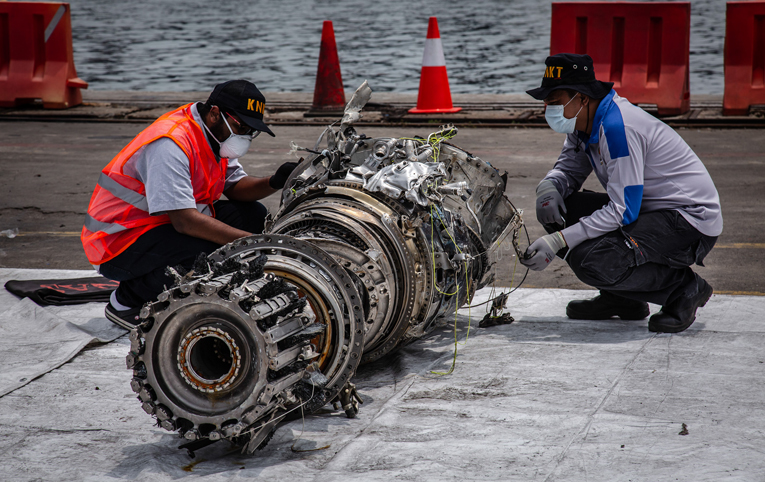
{"type": "Point", "coordinates": [643, 164]}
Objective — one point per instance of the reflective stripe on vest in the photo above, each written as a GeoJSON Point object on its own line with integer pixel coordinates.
{"type": "Point", "coordinates": [120, 191]}
{"type": "Point", "coordinates": [133, 198]}
{"type": "Point", "coordinates": [108, 228]}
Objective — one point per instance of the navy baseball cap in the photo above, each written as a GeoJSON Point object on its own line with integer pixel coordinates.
{"type": "Point", "coordinates": [244, 99]}
{"type": "Point", "coordinates": [570, 71]}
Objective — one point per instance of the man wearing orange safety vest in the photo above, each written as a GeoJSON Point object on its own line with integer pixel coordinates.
{"type": "Point", "coordinates": [157, 203]}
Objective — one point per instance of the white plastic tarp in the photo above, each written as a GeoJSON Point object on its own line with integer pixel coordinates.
{"type": "Point", "coordinates": [35, 339]}
{"type": "Point", "coordinates": [544, 399]}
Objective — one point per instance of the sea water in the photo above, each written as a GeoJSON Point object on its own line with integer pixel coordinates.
{"type": "Point", "coordinates": [491, 46]}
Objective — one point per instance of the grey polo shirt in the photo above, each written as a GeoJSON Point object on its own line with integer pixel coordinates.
{"type": "Point", "coordinates": [163, 168]}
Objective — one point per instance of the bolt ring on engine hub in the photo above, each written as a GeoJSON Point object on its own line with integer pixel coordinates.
{"type": "Point", "coordinates": [209, 359]}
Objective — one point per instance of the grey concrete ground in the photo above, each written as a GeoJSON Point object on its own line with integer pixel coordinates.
{"type": "Point", "coordinates": [49, 170]}
{"type": "Point", "coordinates": [545, 398]}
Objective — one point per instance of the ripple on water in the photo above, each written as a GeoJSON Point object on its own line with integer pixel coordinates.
{"type": "Point", "coordinates": [491, 46]}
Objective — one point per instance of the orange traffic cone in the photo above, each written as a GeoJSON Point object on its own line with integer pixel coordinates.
{"type": "Point", "coordinates": [434, 95]}
{"type": "Point", "coordinates": [328, 93]}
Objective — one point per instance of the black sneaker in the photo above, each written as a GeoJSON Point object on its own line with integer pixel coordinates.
{"type": "Point", "coordinates": [127, 319]}
{"type": "Point", "coordinates": [681, 313]}
{"type": "Point", "coordinates": [607, 305]}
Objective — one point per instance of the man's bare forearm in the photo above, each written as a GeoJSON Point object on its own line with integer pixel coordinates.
{"type": "Point", "coordinates": [250, 189]}
{"type": "Point", "coordinates": [193, 223]}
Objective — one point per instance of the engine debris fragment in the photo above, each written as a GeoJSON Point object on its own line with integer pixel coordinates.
{"type": "Point", "coordinates": [374, 240]}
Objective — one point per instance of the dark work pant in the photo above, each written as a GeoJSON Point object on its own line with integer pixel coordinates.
{"type": "Point", "coordinates": [140, 269]}
{"type": "Point", "coordinates": [648, 260]}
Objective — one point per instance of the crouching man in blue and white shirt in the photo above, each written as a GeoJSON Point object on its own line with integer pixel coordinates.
{"type": "Point", "coordinates": [660, 215]}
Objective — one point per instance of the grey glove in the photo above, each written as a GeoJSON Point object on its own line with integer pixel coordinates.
{"type": "Point", "coordinates": [542, 251]}
{"type": "Point", "coordinates": [550, 205]}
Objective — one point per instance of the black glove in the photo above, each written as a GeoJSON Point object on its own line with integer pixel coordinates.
{"type": "Point", "coordinates": [280, 177]}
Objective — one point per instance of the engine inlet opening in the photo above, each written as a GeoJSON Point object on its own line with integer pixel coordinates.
{"type": "Point", "coordinates": [209, 359]}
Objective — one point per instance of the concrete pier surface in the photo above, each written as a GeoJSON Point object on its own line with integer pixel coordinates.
{"type": "Point", "coordinates": [50, 167]}
{"type": "Point", "coordinates": [544, 398]}
{"type": "Point", "coordinates": [385, 109]}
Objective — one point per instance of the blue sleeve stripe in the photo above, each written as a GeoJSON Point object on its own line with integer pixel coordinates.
{"type": "Point", "coordinates": [613, 128]}
{"type": "Point", "coordinates": [633, 197]}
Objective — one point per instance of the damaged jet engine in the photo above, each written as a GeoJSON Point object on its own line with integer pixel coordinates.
{"type": "Point", "coordinates": [375, 239]}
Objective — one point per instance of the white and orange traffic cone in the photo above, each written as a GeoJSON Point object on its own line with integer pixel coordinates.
{"type": "Point", "coordinates": [434, 96]}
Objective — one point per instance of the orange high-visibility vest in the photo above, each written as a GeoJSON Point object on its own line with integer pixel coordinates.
{"type": "Point", "coordinates": [118, 213]}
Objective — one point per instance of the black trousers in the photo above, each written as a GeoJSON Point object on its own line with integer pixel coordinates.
{"type": "Point", "coordinates": [140, 269]}
{"type": "Point", "coordinates": [648, 260]}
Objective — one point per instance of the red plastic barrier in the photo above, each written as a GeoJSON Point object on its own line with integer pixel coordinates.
{"type": "Point", "coordinates": [36, 59]}
{"type": "Point", "coordinates": [643, 48]}
{"type": "Point", "coordinates": [744, 57]}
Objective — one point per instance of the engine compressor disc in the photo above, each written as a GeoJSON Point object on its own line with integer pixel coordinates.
{"type": "Point", "coordinates": [264, 326]}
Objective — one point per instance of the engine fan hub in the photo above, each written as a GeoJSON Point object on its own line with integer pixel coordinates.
{"type": "Point", "coordinates": [209, 359]}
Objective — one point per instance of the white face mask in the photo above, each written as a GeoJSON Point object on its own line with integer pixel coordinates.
{"type": "Point", "coordinates": [236, 145]}
{"type": "Point", "coordinates": [557, 121]}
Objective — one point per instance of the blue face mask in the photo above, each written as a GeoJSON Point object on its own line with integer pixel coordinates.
{"type": "Point", "coordinates": [557, 121]}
